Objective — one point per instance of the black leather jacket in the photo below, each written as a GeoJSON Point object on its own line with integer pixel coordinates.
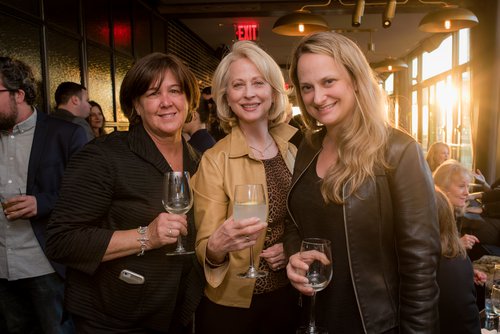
{"type": "Point", "coordinates": [393, 240]}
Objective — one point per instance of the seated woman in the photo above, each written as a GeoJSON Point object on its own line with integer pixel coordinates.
{"type": "Point", "coordinates": [438, 153]}
{"type": "Point", "coordinates": [453, 178]}
{"type": "Point", "coordinates": [458, 312]}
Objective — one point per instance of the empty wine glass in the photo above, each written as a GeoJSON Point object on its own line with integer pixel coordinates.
{"type": "Point", "coordinates": [177, 199]}
{"type": "Point", "coordinates": [250, 201]}
{"type": "Point", "coordinates": [317, 254]}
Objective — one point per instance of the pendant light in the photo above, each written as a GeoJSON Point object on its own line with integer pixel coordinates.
{"type": "Point", "coordinates": [301, 22]}
{"type": "Point", "coordinates": [390, 65]}
{"type": "Point", "coordinates": [448, 19]}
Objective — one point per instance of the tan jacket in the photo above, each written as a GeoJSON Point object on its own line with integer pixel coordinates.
{"type": "Point", "coordinates": [228, 163]}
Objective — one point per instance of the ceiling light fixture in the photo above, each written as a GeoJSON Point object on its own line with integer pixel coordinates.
{"type": "Point", "coordinates": [358, 13]}
{"type": "Point", "coordinates": [390, 65]}
{"type": "Point", "coordinates": [448, 19]}
{"type": "Point", "coordinates": [389, 12]}
{"type": "Point", "coordinates": [301, 22]}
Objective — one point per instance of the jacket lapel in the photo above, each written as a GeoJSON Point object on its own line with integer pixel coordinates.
{"type": "Point", "coordinates": [142, 145]}
{"type": "Point", "coordinates": [37, 146]}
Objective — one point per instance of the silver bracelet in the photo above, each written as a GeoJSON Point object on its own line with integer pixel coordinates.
{"type": "Point", "coordinates": [143, 239]}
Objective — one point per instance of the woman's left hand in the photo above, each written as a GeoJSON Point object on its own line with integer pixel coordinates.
{"type": "Point", "coordinates": [479, 277]}
{"type": "Point", "coordinates": [469, 240]}
{"type": "Point", "coordinates": [275, 256]}
{"type": "Point", "coordinates": [165, 229]}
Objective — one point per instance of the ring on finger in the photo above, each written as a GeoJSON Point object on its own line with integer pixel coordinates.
{"type": "Point", "coordinates": [170, 232]}
{"type": "Point", "coordinates": [247, 238]}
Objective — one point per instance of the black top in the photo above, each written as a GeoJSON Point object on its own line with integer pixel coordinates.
{"type": "Point", "coordinates": [458, 312]}
{"type": "Point", "coordinates": [201, 140]}
{"type": "Point", "coordinates": [115, 183]}
{"type": "Point", "coordinates": [336, 306]}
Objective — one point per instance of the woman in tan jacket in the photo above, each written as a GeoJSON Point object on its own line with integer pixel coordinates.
{"type": "Point", "coordinates": [248, 88]}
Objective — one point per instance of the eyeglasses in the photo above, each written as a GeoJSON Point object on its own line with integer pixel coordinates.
{"type": "Point", "coordinates": [7, 90]}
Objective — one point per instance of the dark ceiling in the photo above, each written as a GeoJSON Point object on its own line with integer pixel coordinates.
{"type": "Point", "coordinates": [213, 21]}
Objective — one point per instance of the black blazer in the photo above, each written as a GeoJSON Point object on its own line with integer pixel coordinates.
{"type": "Point", "coordinates": [115, 183]}
{"type": "Point", "coordinates": [54, 142]}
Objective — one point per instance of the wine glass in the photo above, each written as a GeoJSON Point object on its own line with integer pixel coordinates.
{"type": "Point", "coordinates": [177, 199]}
{"type": "Point", "coordinates": [250, 201]}
{"type": "Point", "coordinates": [317, 253]}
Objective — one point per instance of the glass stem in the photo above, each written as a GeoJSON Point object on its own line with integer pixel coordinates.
{"type": "Point", "coordinates": [180, 247]}
{"type": "Point", "coordinates": [312, 314]}
{"type": "Point", "coordinates": [251, 258]}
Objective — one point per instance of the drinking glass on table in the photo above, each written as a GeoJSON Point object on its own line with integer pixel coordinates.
{"type": "Point", "coordinates": [495, 293]}
{"type": "Point", "coordinates": [250, 201]}
{"type": "Point", "coordinates": [177, 199]}
{"type": "Point", "coordinates": [317, 253]}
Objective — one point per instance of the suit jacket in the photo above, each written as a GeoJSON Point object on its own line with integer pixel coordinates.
{"type": "Point", "coordinates": [115, 183]}
{"type": "Point", "coordinates": [54, 142]}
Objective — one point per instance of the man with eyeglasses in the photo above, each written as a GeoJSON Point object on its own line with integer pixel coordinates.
{"type": "Point", "coordinates": [34, 150]}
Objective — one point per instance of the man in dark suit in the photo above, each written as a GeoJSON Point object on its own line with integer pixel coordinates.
{"type": "Point", "coordinates": [34, 150]}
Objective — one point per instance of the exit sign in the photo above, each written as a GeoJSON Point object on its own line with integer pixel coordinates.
{"type": "Point", "coordinates": [246, 32]}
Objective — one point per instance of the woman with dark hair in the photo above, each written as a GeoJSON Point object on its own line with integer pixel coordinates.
{"type": "Point", "coordinates": [110, 228]}
{"type": "Point", "coordinates": [96, 119]}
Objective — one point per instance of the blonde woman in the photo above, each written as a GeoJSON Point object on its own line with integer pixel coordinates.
{"type": "Point", "coordinates": [458, 312]}
{"type": "Point", "coordinates": [367, 188]}
{"type": "Point", "coordinates": [438, 153]}
{"type": "Point", "coordinates": [248, 89]}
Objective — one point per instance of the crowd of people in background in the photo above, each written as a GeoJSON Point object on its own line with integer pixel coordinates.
{"type": "Point", "coordinates": [84, 233]}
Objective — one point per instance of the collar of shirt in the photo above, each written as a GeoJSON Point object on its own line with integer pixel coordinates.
{"type": "Point", "coordinates": [25, 125]}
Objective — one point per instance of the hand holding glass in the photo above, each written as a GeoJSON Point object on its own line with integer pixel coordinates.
{"type": "Point", "coordinates": [317, 254]}
{"type": "Point", "coordinates": [250, 201]}
{"type": "Point", "coordinates": [177, 199]}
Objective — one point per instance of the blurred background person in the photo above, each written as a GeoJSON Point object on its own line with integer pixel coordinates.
{"type": "Point", "coordinates": [34, 152]}
{"type": "Point", "coordinates": [366, 187]}
{"type": "Point", "coordinates": [438, 153]}
{"type": "Point", "coordinates": [454, 179]}
{"type": "Point", "coordinates": [213, 124]}
{"type": "Point", "coordinates": [248, 87]}
{"type": "Point", "coordinates": [111, 218]}
{"type": "Point", "coordinates": [72, 104]}
{"type": "Point", "coordinates": [458, 311]}
{"type": "Point", "coordinates": [196, 129]}
{"type": "Point", "coordinates": [96, 119]}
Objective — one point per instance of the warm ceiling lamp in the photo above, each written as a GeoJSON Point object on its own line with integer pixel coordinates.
{"type": "Point", "coordinates": [358, 13]}
{"type": "Point", "coordinates": [389, 12]}
{"type": "Point", "coordinates": [390, 65]}
{"type": "Point", "coordinates": [448, 19]}
{"type": "Point", "coordinates": [301, 22]}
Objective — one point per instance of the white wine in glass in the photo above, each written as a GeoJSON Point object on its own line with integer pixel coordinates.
{"type": "Point", "coordinates": [250, 201]}
{"type": "Point", "coordinates": [317, 253]}
{"type": "Point", "coordinates": [177, 199]}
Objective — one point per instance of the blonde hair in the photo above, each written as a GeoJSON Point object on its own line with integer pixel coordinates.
{"type": "Point", "coordinates": [362, 138]}
{"type": "Point", "coordinates": [451, 246]}
{"type": "Point", "coordinates": [432, 154]}
{"type": "Point", "coordinates": [268, 69]}
{"type": "Point", "coordinates": [444, 174]}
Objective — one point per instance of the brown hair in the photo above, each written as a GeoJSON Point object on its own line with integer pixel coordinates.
{"type": "Point", "coordinates": [150, 70]}
{"type": "Point", "coordinates": [451, 246]}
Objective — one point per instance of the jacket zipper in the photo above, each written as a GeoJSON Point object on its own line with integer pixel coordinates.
{"type": "Point", "coordinates": [349, 258]}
